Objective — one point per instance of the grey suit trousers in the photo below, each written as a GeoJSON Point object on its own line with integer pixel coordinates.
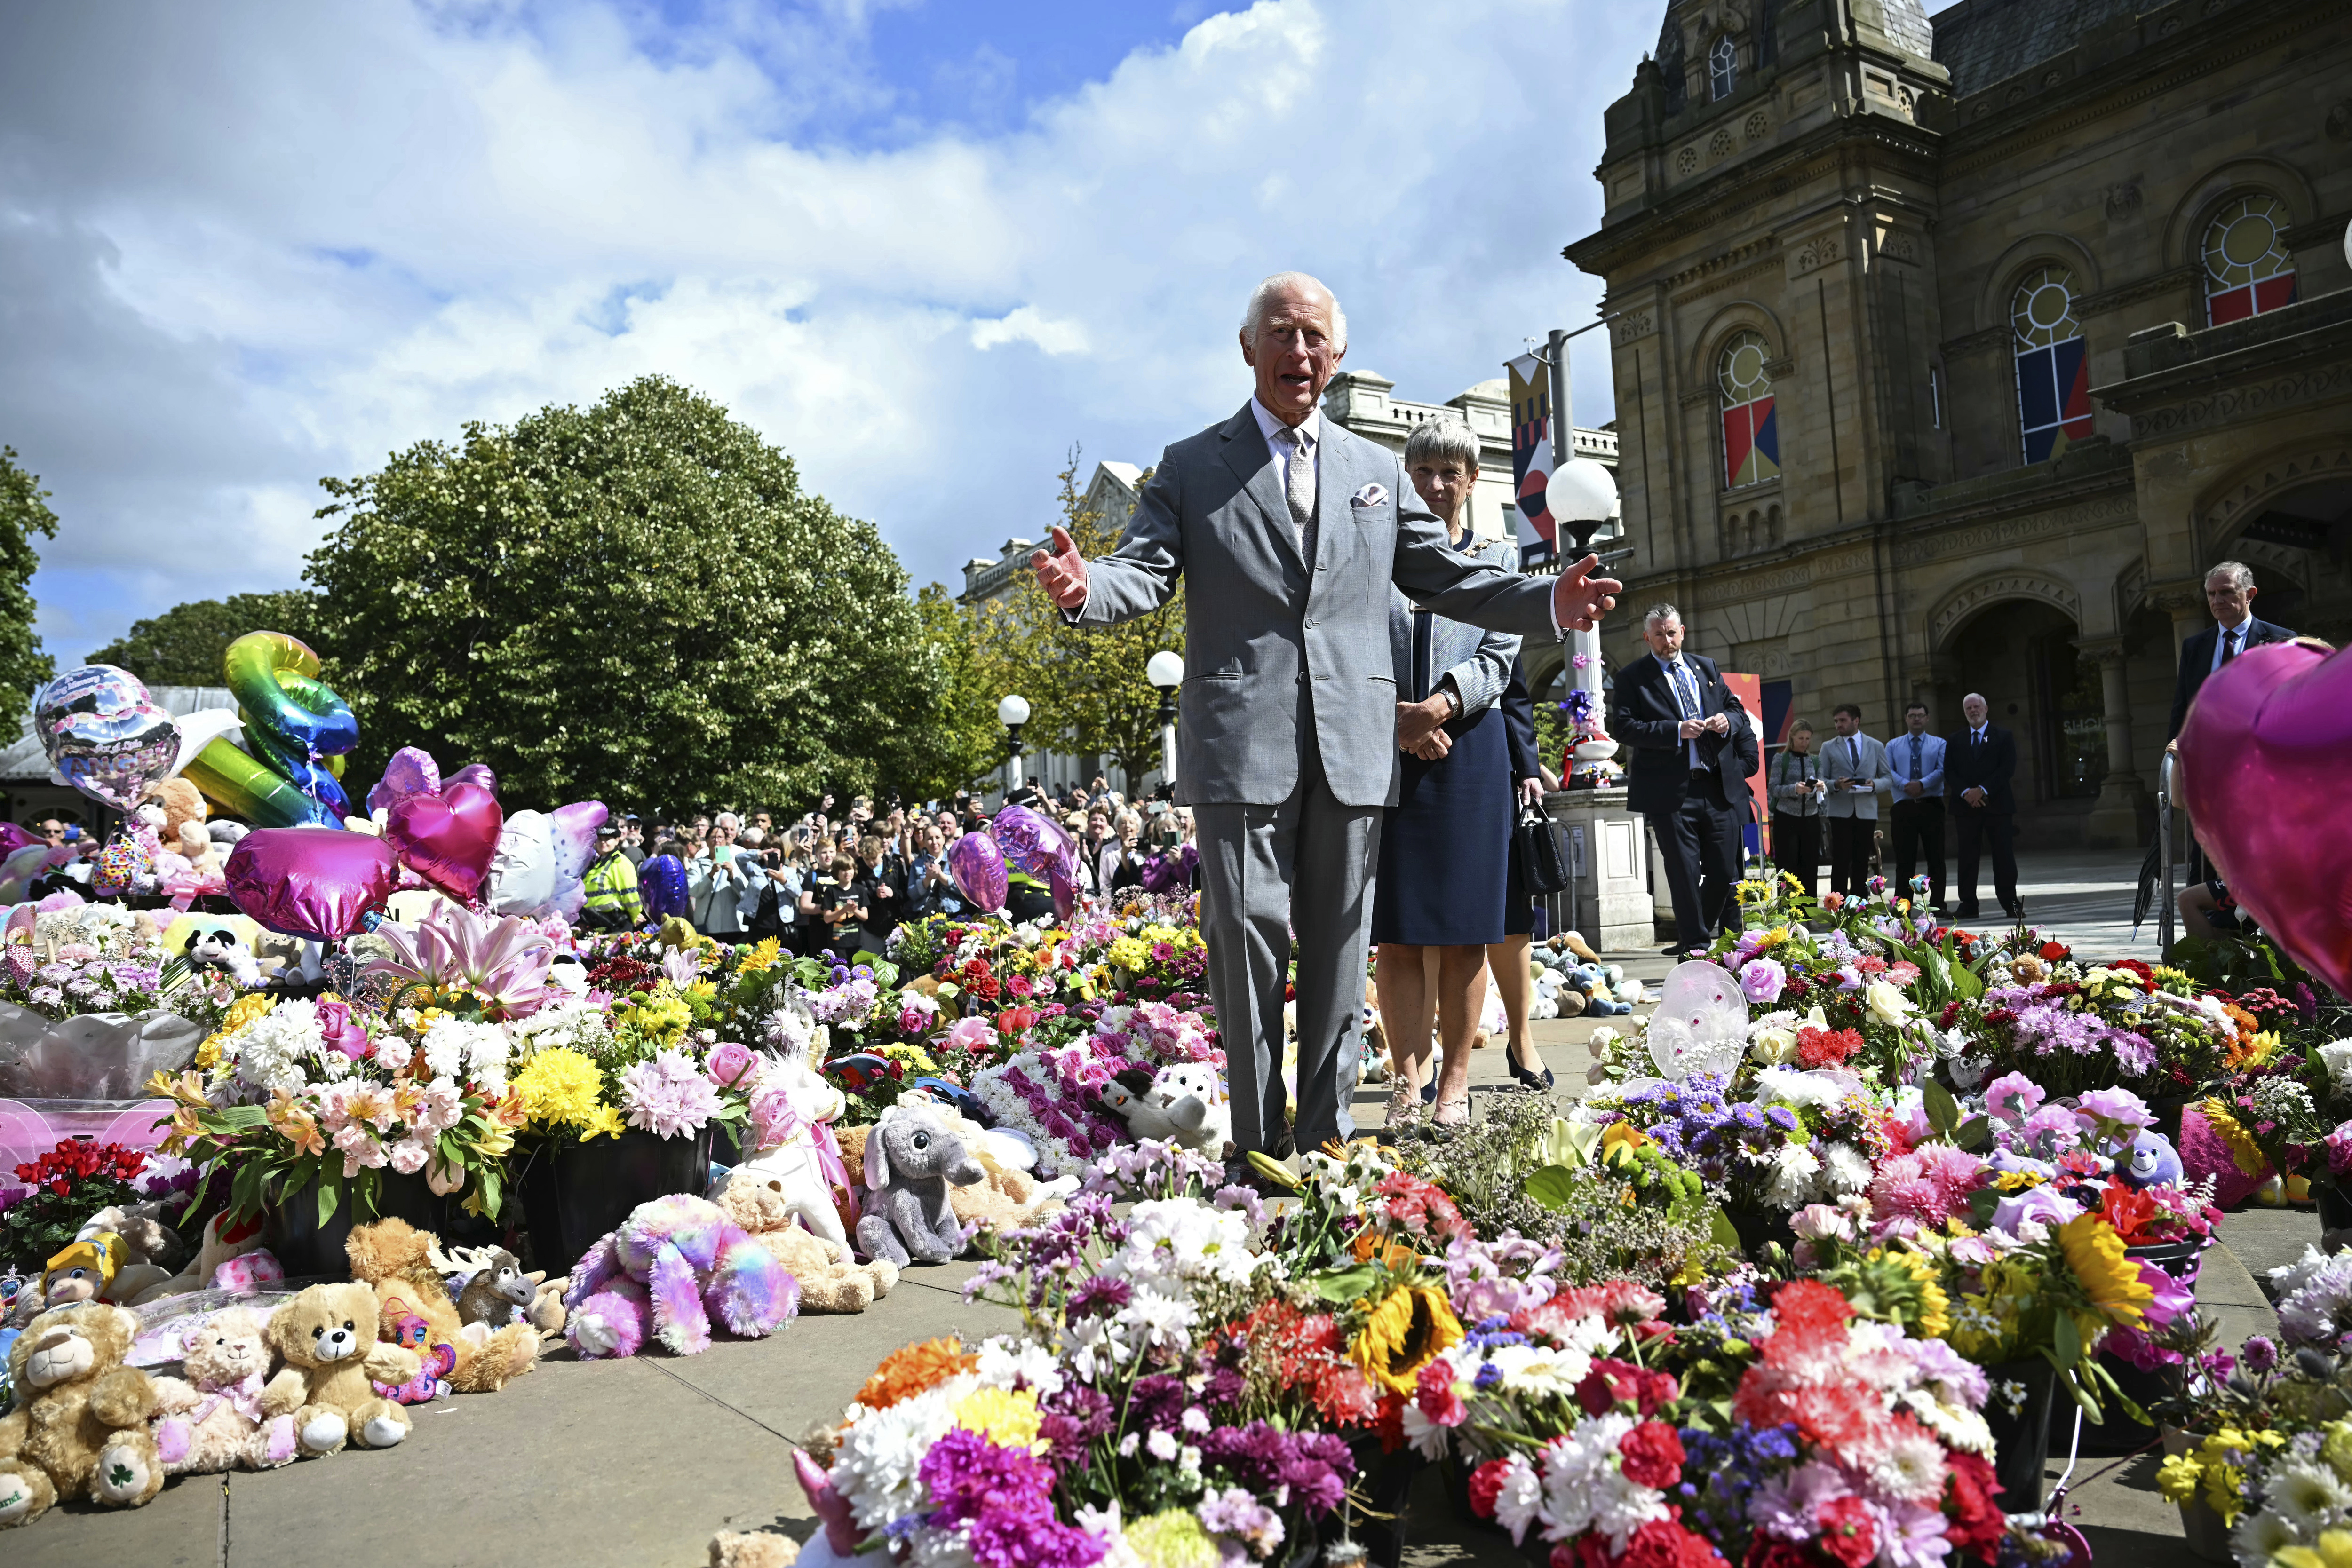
{"type": "Point", "coordinates": [1308, 865]}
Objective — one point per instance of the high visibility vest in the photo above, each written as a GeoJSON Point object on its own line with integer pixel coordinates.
{"type": "Point", "coordinates": [611, 882]}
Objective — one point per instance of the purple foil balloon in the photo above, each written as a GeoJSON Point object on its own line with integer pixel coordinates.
{"type": "Point", "coordinates": [978, 866]}
{"type": "Point", "coordinates": [411, 771]}
{"type": "Point", "coordinates": [1030, 842]}
{"type": "Point", "coordinates": [1064, 887]}
{"type": "Point", "coordinates": [477, 774]}
{"type": "Point", "coordinates": [311, 881]}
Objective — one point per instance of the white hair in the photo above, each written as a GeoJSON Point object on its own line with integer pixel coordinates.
{"type": "Point", "coordinates": [1444, 439]}
{"type": "Point", "coordinates": [2237, 572]}
{"type": "Point", "coordinates": [727, 820]}
{"type": "Point", "coordinates": [1974, 697]}
{"type": "Point", "coordinates": [1254, 315]}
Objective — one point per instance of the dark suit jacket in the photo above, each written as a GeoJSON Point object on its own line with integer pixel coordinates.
{"type": "Point", "coordinates": [1645, 717]}
{"type": "Point", "coordinates": [1520, 726]}
{"type": "Point", "coordinates": [1991, 772]}
{"type": "Point", "coordinates": [2197, 663]}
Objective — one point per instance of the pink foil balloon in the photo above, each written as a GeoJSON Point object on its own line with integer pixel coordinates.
{"type": "Point", "coordinates": [411, 771]}
{"type": "Point", "coordinates": [977, 867]}
{"type": "Point", "coordinates": [2264, 759]}
{"type": "Point", "coordinates": [448, 839]}
{"type": "Point", "coordinates": [310, 881]}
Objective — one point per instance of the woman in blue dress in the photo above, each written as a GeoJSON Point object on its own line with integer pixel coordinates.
{"type": "Point", "coordinates": [1444, 867]}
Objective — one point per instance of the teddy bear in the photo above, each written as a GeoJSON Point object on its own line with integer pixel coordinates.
{"type": "Point", "coordinates": [910, 1161]}
{"type": "Point", "coordinates": [1179, 1103]}
{"type": "Point", "coordinates": [674, 1264]}
{"type": "Point", "coordinates": [327, 1338]}
{"type": "Point", "coordinates": [79, 1425]}
{"type": "Point", "coordinates": [182, 830]}
{"type": "Point", "coordinates": [794, 1145]}
{"type": "Point", "coordinates": [225, 1243]}
{"type": "Point", "coordinates": [406, 1268]}
{"type": "Point", "coordinates": [829, 1281]}
{"type": "Point", "coordinates": [212, 1418]}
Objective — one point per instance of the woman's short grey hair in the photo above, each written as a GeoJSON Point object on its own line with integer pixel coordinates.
{"type": "Point", "coordinates": [1254, 314]}
{"type": "Point", "coordinates": [2237, 573]}
{"type": "Point", "coordinates": [1440, 441]}
{"type": "Point", "coordinates": [1659, 612]}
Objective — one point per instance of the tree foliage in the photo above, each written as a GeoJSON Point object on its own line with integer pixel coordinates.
{"type": "Point", "coordinates": [636, 603]}
{"type": "Point", "coordinates": [969, 742]}
{"type": "Point", "coordinates": [1088, 691]}
{"type": "Point", "coordinates": [24, 512]}
{"type": "Point", "coordinates": [182, 646]}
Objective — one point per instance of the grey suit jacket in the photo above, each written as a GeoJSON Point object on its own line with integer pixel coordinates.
{"type": "Point", "coordinates": [1838, 764]}
{"type": "Point", "coordinates": [1479, 661]}
{"type": "Point", "coordinates": [1270, 648]}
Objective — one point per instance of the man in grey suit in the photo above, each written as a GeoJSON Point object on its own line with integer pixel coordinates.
{"type": "Point", "coordinates": [1289, 532]}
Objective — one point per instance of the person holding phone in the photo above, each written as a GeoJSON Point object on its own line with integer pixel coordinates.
{"type": "Point", "coordinates": [836, 907]}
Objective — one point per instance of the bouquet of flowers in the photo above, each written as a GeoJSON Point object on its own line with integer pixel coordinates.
{"type": "Point", "coordinates": [67, 1185]}
{"type": "Point", "coordinates": [582, 1074]}
{"type": "Point", "coordinates": [1052, 1096]}
{"type": "Point", "coordinates": [289, 1095]}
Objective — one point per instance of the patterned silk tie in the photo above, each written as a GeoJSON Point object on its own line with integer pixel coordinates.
{"type": "Point", "coordinates": [1299, 481]}
{"type": "Point", "coordinates": [2228, 646]}
{"type": "Point", "coordinates": [1915, 777]}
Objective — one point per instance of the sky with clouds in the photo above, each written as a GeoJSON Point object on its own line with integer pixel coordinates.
{"type": "Point", "coordinates": [924, 245]}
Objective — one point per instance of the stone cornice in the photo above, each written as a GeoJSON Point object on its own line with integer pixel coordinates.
{"type": "Point", "coordinates": [2247, 369]}
{"type": "Point", "coordinates": [2140, 289]}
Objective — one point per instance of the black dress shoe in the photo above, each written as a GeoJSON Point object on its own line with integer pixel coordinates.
{"type": "Point", "coordinates": [1528, 1079]}
{"type": "Point", "coordinates": [1673, 950]}
{"type": "Point", "coordinates": [1968, 912]}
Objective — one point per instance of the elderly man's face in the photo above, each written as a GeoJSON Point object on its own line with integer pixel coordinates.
{"type": "Point", "coordinates": [54, 830]}
{"type": "Point", "coordinates": [2227, 601]}
{"type": "Point", "coordinates": [1665, 637]}
{"type": "Point", "coordinates": [1974, 710]}
{"type": "Point", "coordinates": [1293, 352]}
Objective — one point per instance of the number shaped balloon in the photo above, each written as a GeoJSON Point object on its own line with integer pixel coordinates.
{"type": "Point", "coordinates": [296, 731]}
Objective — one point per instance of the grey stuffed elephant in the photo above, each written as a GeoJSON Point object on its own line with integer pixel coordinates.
{"type": "Point", "coordinates": [910, 1160]}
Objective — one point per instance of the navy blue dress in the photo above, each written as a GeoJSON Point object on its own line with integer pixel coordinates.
{"type": "Point", "coordinates": [1445, 846]}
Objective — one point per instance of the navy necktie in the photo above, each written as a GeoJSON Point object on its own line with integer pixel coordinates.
{"type": "Point", "coordinates": [1915, 776]}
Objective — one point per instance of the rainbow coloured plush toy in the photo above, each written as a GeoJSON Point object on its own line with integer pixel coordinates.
{"type": "Point", "coordinates": [673, 1266]}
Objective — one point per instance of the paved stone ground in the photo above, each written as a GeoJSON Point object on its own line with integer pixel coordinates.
{"type": "Point", "coordinates": [639, 1462]}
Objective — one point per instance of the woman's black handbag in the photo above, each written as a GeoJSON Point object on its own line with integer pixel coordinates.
{"type": "Point", "coordinates": [1543, 854]}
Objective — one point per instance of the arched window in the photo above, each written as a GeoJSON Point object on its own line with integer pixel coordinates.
{"type": "Point", "coordinates": [1722, 68]}
{"type": "Point", "coordinates": [2247, 269]}
{"type": "Point", "coordinates": [1752, 440]}
{"type": "Point", "coordinates": [2053, 370]}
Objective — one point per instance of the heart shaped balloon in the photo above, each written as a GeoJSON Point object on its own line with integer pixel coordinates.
{"type": "Point", "coordinates": [448, 839]}
{"type": "Point", "coordinates": [1030, 842]}
{"type": "Point", "coordinates": [977, 867]}
{"type": "Point", "coordinates": [411, 771]}
{"type": "Point", "coordinates": [477, 774]}
{"type": "Point", "coordinates": [2263, 758]}
{"type": "Point", "coordinates": [310, 881]}
{"type": "Point", "coordinates": [1701, 1024]}
{"type": "Point", "coordinates": [103, 736]}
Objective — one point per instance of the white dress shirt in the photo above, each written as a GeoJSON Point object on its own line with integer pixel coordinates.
{"type": "Point", "coordinates": [1677, 672]}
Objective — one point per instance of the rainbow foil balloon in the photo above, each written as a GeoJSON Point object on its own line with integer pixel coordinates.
{"type": "Point", "coordinates": [296, 731]}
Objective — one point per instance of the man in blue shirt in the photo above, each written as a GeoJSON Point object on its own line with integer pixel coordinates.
{"type": "Point", "coordinates": [1916, 762]}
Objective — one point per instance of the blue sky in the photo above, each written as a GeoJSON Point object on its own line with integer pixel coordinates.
{"type": "Point", "coordinates": [924, 247]}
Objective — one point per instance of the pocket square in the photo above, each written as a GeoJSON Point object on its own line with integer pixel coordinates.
{"type": "Point", "coordinates": [1370, 496]}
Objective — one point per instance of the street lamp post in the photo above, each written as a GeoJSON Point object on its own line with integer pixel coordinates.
{"type": "Point", "coordinates": [1013, 712]}
{"type": "Point", "coordinates": [1166, 670]}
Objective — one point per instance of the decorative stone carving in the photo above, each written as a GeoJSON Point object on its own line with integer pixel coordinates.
{"type": "Point", "coordinates": [1686, 161]}
{"type": "Point", "coordinates": [1760, 125]}
{"type": "Point", "coordinates": [1721, 143]}
{"type": "Point", "coordinates": [2029, 585]}
{"type": "Point", "coordinates": [2339, 121]}
{"type": "Point", "coordinates": [2123, 200]}
{"type": "Point", "coordinates": [2247, 496]}
{"type": "Point", "coordinates": [2234, 404]}
{"type": "Point", "coordinates": [1631, 325]}
{"type": "Point", "coordinates": [1999, 533]}
{"type": "Point", "coordinates": [1900, 245]}
{"type": "Point", "coordinates": [1816, 254]}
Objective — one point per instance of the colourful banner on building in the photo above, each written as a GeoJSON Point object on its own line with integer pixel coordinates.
{"type": "Point", "coordinates": [1531, 461]}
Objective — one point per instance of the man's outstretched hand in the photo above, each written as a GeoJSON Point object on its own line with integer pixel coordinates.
{"type": "Point", "coordinates": [1579, 598]}
{"type": "Point", "coordinates": [1062, 571]}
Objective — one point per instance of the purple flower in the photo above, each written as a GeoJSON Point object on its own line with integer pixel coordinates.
{"type": "Point", "coordinates": [2261, 1355]}
{"type": "Point", "coordinates": [1762, 980]}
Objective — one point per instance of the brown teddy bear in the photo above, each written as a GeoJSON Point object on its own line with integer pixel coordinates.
{"type": "Point", "coordinates": [212, 1418]}
{"type": "Point", "coordinates": [79, 1428]}
{"type": "Point", "coordinates": [326, 1337]}
{"type": "Point", "coordinates": [184, 832]}
{"type": "Point", "coordinates": [404, 1266]}
{"type": "Point", "coordinates": [828, 1281]}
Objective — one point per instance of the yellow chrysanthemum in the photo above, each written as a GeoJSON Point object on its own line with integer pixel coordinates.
{"type": "Point", "coordinates": [559, 1087]}
{"type": "Point", "coordinates": [2106, 1269]}
{"type": "Point", "coordinates": [760, 957]}
{"type": "Point", "coordinates": [1005, 1417]}
{"type": "Point", "coordinates": [1171, 1539]}
{"type": "Point", "coordinates": [1131, 953]}
{"type": "Point", "coordinates": [1410, 1328]}
{"type": "Point", "coordinates": [602, 1122]}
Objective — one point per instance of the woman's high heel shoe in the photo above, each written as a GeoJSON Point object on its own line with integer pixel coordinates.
{"type": "Point", "coordinates": [1529, 1078]}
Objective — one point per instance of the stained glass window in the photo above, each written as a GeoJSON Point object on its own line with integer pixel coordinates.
{"type": "Point", "coordinates": [2053, 369]}
{"type": "Point", "coordinates": [1722, 68]}
{"type": "Point", "coordinates": [1751, 439]}
{"type": "Point", "coordinates": [2247, 269]}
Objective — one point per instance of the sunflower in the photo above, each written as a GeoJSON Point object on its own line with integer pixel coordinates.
{"type": "Point", "coordinates": [2247, 1154]}
{"type": "Point", "coordinates": [1408, 1330]}
{"type": "Point", "coordinates": [2105, 1270]}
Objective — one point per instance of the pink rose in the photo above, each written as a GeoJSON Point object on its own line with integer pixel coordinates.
{"type": "Point", "coordinates": [728, 1063]}
{"type": "Point", "coordinates": [344, 1032]}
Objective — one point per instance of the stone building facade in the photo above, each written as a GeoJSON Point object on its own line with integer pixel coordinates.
{"type": "Point", "coordinates": [1950, 353]}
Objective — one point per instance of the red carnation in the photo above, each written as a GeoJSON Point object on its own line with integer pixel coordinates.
{"type": "Point", "coordinates": [1808, 1304]}
{"type": "Point", "coordinates": [1848, 1531]}
{"type": "Point", "coordinates": [1664, 1544]}
{"type": "Point", "coordinates": [1651, 1455]}
{"type": "Point", "coordinates": [1977, 1524]}
{"type": "Point", "coordinates": [1486, 1486]}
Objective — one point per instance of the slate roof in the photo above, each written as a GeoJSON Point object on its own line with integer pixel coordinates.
{"type": "Point", "coordinates": [1982, 42]}
{"type": "Point", "coordinates": [1906, 24]}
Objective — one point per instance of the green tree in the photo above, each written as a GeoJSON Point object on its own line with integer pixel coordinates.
{"type": "Point", "coordinates": [182, 646]}
{"type": "Point", "coordinates": [965, 741]}
{"type": "Point", "coordinates": [636, 603]}
{"type": "Point", "coordinates": [24, 512]}
{"type": "Point", "coordinates": [1086, 689]}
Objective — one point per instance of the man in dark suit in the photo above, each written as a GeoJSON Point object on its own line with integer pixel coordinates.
{"type": "Point", "coordinates": [2230, 594]}
{"type": "Point", "coordinates": [1978, 764]}
{"type": "Point", "coordinates": [1685, 775]}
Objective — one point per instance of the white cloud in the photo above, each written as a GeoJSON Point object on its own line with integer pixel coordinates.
{"type": "Point", "coordinates": [243, 248]}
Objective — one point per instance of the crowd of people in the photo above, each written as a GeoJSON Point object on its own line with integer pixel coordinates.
{"type": "Point", "coordinates": [843, 882]}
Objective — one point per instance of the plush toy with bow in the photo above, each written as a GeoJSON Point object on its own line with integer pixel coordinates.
{"type": "Point", "coordinates": [212, 1418]}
